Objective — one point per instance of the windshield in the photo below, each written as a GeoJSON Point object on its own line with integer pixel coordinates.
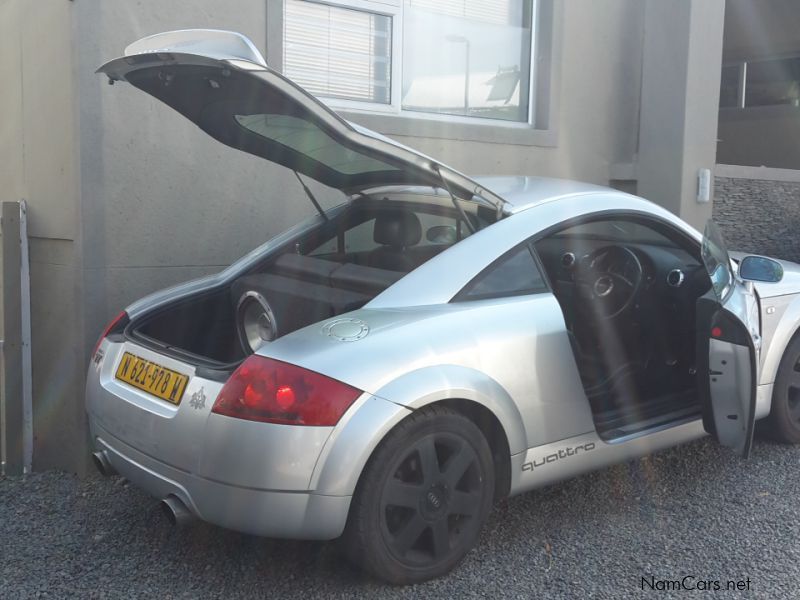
{"type": "Point", "coordinates": [716, 261]}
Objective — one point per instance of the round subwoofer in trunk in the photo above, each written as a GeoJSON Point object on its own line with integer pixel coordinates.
{"type": "Point", "coordinates": [255, 321]}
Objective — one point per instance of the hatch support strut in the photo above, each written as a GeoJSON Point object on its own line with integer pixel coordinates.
{"type": "Point", "coordinates": [311, 196]}
{"type": "Point", "coordinates": [459, 208]}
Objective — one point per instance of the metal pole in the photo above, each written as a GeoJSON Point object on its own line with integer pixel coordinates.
{"type": "Point", "coordinates": [25, 324]}
{"type": "Point", "coordinates": [466, 78]}
{"type": "Point", "coordinates": [11, 367]}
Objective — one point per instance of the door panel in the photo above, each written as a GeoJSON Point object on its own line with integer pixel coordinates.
{"type": "Point", "coordinates": [728, 330]}
{"type": "Point", "coordinates": [732, 387]}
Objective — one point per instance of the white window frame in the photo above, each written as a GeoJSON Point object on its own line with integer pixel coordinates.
{"type": "Point", "coordinates": [394, 110]}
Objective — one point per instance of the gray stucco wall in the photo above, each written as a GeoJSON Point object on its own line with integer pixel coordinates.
{"type": "Point", "coordinates": [759, 216]}
{"type": "Point", "coordinates": [38, 146]}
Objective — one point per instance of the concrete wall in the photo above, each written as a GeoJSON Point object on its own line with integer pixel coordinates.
{"type": "Point", "coordinates": [680, 97]}
{"type": "Point", "coordinates": [759, 213]}
{"type": "Point", "coordinates": [38, 143]}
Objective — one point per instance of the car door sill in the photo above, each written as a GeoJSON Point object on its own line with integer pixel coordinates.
{"type": "Point", "coordinates": [666, 421]}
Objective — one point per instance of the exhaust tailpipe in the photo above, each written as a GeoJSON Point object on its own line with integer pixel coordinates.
{"type": "Point", "coordinates": [176, 512]}
{"type": "Point", "coordinates": [102, 464]}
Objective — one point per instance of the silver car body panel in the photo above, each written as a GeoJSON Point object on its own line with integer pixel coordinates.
{"type": "Point", "coordinates": [780, 317]}
{"type": "Point", "coordinates": [421, 348]}
{"type": "Point", "coordinates": [780, 320]}
{"type": "Point", "coordinates": [234, 473]}
{"type": "Point", "coordinates": [511, 356]}
{"type": "Point", "coordinates": [566, 458]}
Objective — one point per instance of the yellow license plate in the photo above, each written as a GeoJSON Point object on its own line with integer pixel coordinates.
{"type": "Point", "coordinates": [152, 378]}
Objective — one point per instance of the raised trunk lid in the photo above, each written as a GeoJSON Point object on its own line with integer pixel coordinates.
{"type": "Point", "coordinates": [219, 81]}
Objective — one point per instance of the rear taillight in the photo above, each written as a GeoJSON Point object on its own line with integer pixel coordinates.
{"type": "Point", "coordinates": [263, 389]}
{"type": "Point", "coordinates": [117, 324]}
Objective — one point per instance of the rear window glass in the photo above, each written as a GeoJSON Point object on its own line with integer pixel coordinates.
{"type": "Point", "coordinates": [513, 275]}
{"type": "Point", "coordinates": [308, 139]}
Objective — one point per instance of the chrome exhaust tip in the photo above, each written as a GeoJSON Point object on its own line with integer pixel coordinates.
{"type": "Point", "coordinates": [176, 512]}
{"type": "Point", "coordinates": [102, 464]}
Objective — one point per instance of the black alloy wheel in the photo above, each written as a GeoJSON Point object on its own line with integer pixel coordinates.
{"type": "Point", "coordinates": [423, 498]}
{"type": "Point", "coordinates": [783, 423]}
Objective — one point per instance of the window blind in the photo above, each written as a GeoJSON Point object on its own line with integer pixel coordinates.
{"type": "Point", "coordinates": [338, 52]}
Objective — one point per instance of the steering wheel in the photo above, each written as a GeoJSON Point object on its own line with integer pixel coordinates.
{"type": "Point", "coordinates": [609, 278]}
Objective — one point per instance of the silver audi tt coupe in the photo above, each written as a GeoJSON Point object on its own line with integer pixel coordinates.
{"type": "Point", "coordinates": [385, 371]}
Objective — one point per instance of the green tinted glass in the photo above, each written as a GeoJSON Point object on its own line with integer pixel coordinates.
{"type": "Point", "coordinates": [306, 138]}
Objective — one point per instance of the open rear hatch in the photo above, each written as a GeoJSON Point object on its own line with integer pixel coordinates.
{"type": "Point", "coordinates": [219, 81]}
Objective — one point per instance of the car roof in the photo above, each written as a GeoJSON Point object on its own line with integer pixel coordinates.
{"type": "Point", "coordinates": [519, 192]}
{"type": "Point", "coordinates": [523, 192]}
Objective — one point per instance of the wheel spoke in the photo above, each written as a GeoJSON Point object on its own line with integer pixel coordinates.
{"type": "Point", "coordinates": [399, 493]}
{"type": "Point", "coordinates": [793, 401]}
{"type": "Point", "coordinates": [410, 533]}
{"type": "Point", "coordinates": [429, 461]}
{"type": "Point", "coordinates": [464, 503]}
{"type": "Point", "coordinates": [457, 465]}
{"type": "Point", "coordinates": [441, 537]}
{"type": "Point", "coordinates": [794, 379]}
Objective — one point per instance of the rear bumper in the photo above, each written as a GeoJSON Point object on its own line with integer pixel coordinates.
{"type": "Point", "coordinates": [270, 513]}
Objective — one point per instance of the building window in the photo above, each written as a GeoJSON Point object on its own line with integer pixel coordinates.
{"type": "Point", "coordinates": [337, 52]}
{"type": "Point", "coordinates": [771, 82]}
{"type": "Point", "coordinates": [483, 57]}
{"type": "Point", "coordinates": [443, 58]}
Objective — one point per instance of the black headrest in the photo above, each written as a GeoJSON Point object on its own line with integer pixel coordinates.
{"type": "Point", "coordinates": [397, 228]}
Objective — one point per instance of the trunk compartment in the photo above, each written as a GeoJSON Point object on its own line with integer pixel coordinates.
{"type": "Point", "coordinates": [301, 290]}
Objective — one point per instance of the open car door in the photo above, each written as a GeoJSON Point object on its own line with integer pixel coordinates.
{"type": "Point", "coordinates": [728, 346]}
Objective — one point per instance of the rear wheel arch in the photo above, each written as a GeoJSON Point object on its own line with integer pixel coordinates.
{"type": "Point", "coordinates": [484, 419]}
{"type": "Point", "coordinates": [463, 386]}
{"type": "Point", "coordinates": [492, 429]}
{"type": "Point", "coordinates": [481, 399]}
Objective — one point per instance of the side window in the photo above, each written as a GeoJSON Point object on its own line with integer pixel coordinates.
{"type": "Point", "coordinates": [360, 238]}
{"type": "Point", "coordinates": [514, 274]}
{"type": "Point", "coordinates": [440, 229]}
{"type": "Point", "coordinates": [356, 239]}
{"type": "Point", "coordinates": [326, 248]}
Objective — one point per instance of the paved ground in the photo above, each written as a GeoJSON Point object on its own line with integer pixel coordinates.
{"type": "Point", "coordinates": [693, 511]}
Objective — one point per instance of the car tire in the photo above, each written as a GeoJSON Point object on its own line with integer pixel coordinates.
{"type": "Point", "coordinates": [422, 499]}
{"type": "Point", "coordinates": [783, 423]}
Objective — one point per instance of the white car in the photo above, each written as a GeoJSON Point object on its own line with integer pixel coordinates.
{"type": "Point", "coordinates": [388, 369]}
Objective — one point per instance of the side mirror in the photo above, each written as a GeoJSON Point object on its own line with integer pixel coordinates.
{"type": "Point", "coordinates": [441, 234]}
{"type": "Point", "coordinates": [759, 268]}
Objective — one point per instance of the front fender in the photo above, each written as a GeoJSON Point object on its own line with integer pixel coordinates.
{"type": "Point", "coordinates": [777, 335]}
